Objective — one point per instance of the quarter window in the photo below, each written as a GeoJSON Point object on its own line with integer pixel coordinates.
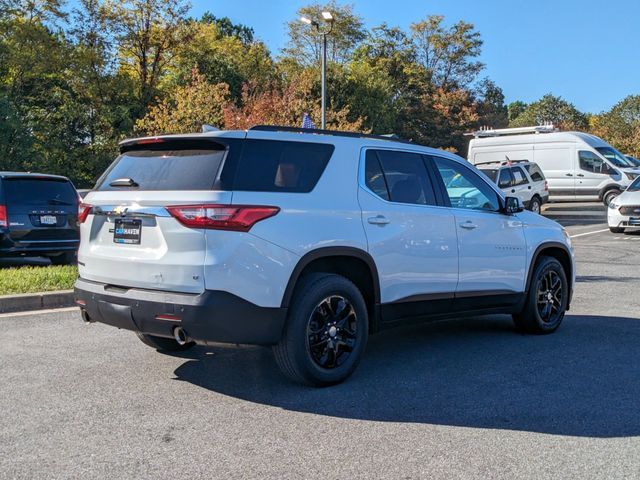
{"type": "Point", "coordinates": [465, 188]}
{"type": "Point", "coordinates": [374, 178]}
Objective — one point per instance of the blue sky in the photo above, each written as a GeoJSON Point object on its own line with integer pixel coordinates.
{"type": "Point", "coordinates": [586, 51]}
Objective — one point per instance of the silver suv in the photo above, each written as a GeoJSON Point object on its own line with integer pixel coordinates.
{"type": "Point", "coordinates": [520, 178]}
{"type": "Point", "coordinates": [308, 241]}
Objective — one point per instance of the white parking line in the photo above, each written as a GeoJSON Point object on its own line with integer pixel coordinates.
{"type": "Point", "coordinates": [37, 312]}
{"type": "Point", "coordinates": [588, 233]}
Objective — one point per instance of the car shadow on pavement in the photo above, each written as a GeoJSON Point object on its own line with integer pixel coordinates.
{"type": "Point", "coordinates": [584, 380]}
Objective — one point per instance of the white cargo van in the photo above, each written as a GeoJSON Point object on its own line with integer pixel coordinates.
{"type": "Point", "coordinates": [578, 166]}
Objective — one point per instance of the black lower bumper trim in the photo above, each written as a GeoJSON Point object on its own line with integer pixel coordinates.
{"type": "Point", "coordinates": [212, 316]}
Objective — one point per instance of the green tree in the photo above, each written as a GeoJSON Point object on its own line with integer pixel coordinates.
{"type": "Point", "coordinates": [515, 109]}
{"type": "Point", "coordinates": [148, 33]}
{"type": "Point", "coordinates": [552, 109]}
{"type": "Point", "coordinates": [491, 108]}
{"type": "Point", "coordinates": [620, 126]}
{"type": "Point", "coordinates": [305, 45]}
{"type": "Point", "coordinates": [187, 108]}
{"type": "Point", "coordinates": [447, 53]}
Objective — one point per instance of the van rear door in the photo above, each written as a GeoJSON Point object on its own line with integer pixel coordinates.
{"type": "Point", "coordinates": [129, 238]}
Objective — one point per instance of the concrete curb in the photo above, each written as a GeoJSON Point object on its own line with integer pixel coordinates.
{"type": "Point", "coordinates": [36, 301]}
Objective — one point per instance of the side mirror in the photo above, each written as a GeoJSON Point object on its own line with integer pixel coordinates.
{"type": "Point", "coordinates": [512, 205]}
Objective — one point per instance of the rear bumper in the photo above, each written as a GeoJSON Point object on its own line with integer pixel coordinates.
{"type": "Point", "coordinates": [212, 316]}
{"type": "Point", "coordinates": [9, 247]}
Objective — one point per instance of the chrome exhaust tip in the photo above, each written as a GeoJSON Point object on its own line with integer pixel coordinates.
{"type": "Point", "coordinates": [85, 316]}
{"type": "Point", "coordinates": [180, 336]}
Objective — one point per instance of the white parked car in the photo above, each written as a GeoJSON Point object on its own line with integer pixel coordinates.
{"type": "Point", "coordinates": [308, 241]}
{"type": "Point", "coordinates": [577, 165]}
{"type": "Point", "coordinates": [624, 211]}
{"type": "Point", "coordinates": [520, 179]}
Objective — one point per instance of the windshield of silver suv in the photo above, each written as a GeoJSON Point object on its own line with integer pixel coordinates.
{"type": "Point", "coordinates": [615, 157]}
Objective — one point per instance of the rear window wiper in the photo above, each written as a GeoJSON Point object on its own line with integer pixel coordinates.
{"type": "Point", "coordinates": [124, 182]}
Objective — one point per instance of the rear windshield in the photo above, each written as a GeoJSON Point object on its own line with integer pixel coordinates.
{"type": "Point", "coordinates": [28, 191]}
{"type": "Point", "coordinates": [164, 170]}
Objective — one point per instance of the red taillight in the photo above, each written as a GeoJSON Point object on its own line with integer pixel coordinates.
{"type": "Point", "coordinates": [84, 209]}
{"type": "Point", "coordinates": [546, 186]}
{"type": "Point", "coordinates": [239, 218]}
{"type": "Point", "coordinates": [3, 216]}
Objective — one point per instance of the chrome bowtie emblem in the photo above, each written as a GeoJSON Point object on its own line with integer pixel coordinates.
{"type": "Point", "coordinates": [120, 210]}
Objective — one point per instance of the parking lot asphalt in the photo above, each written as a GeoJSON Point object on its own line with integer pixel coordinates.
{"type": "Point", "coordinates": [468, 398]}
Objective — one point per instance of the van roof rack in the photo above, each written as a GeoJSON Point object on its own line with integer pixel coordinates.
{"type": "Point", "coordinates": [338, 133]}
{"type": "Point", "coordinates": [497, 132]}
{"type": "Point", "coordinates": [502, 163]}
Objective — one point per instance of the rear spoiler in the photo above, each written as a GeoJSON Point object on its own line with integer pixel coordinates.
{"type": "Point", "coordinates": [171, 143]}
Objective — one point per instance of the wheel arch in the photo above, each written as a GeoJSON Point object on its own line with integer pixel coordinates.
{"type": "Point", "coordinates": [560, 252]}
{"type": "Point", "coordinates": [607, 188]}
{"type": "Point", "coordinates": [350, 262]}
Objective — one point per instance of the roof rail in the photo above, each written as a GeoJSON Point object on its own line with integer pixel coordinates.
{"type": "Point", "coordinates": [490, 132]}
{"type": "Point", "coordinates": [337, 133]}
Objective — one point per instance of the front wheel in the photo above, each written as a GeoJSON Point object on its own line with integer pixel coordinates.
{"type": "Point", "coordinates": [326, 331]}
{"type": "Point", "coordinates": [609, 197]}
{"type": "Point", "coordinates": [547, 298]}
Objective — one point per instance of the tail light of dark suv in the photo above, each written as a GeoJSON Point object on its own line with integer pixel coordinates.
{"type": "Point", "coordinates": [3, 216]}
{"type": "Point", "coordinates": [239, 218]}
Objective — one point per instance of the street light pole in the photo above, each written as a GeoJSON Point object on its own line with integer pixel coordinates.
{"type": "Point", "coordinates": [324, 81]}
{"type": "Point", "coordinates": [328, 18]}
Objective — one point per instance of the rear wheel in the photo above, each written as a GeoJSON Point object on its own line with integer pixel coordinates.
{"type": "Point", "coordinates": [326, 331]}
{"type": "Point", "coordinates": [616, 229]}
{"type": "Point", "coordinates": [66, 258]}
{"type": "Point", "coordinates": [163, 344]}
{"type": "Point", "coordinates": [535, 205]}
{"type": "Point", "coordinates": [547, 298]}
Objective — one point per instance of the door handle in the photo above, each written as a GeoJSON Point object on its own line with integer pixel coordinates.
{"type": "Point", "coordinates": [468, 225]}
{"type": "Point", "coordinates": [378, 220]}
{"type": "Point", "coordinates": [529, 187]}
{"type": "Point", "coordinates": [568, 174]}
{"type": "Point", "coordinates": [580, 175]}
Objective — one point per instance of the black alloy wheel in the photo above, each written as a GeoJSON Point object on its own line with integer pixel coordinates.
{"type": "Point", "coordinates": [332, 332]}
{"type": "Point", "coordinates": [549, 297]}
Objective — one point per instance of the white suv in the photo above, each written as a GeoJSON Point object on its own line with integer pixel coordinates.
{"type": "Point", "coordinates": [520, 178]}
{"type": "Point", "coordinates": [308, 241]}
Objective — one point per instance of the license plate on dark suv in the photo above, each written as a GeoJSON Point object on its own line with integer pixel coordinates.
{"type": "Point", "coordinates": [127, 231]}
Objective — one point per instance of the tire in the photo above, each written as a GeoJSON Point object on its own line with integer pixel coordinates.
{"type": "Point", "coordinates": [163, 344]}
{"type": "Point", "coordinates": [609, 195]}
{"type": "Point", "coordinates": [66, 258]}
{"type": "Point", "coordinates": [531, 319]}
{"type": "Point", "coordinates": [535, 205]}
{"type": "Point", "coordinates": [616, 229]}
{"type": "Point", "coordinates": [315, 317]}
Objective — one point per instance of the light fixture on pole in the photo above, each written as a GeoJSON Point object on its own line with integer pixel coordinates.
{"type": "Point", "coordinates": [328, 19]}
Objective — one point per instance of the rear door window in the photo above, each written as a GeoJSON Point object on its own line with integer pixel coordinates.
{"type": "Point", "coordinates": [279, 166]}
{"type": "Point", "coordinates": [519, 178]}
{"type": "Point", "coordinates": [40, 192]}
{"type": "Point", "coordinates": [405, 177]}
{"type": "Point", "coordinates": [165, 169]}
